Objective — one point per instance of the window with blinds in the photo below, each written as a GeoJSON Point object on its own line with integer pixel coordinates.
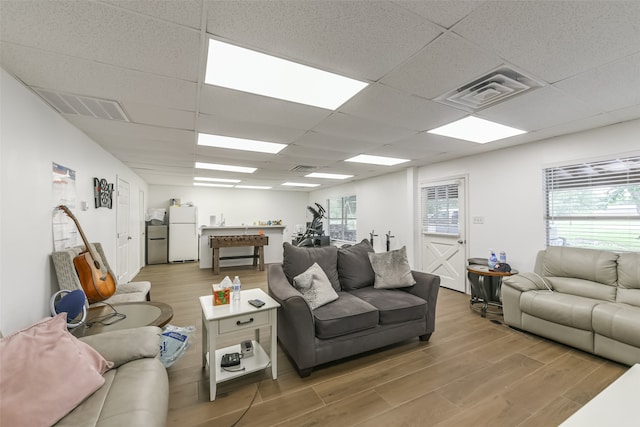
{"type": "Point", "coordinates": [439, 209]}
{"type": "Point", "coordinates": [594, 205]}
{"type": "Point", "coordinates": [341, 214]}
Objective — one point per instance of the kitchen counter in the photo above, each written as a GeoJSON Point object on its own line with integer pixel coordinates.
{"type": "Point", "coordinates": [272, 252]}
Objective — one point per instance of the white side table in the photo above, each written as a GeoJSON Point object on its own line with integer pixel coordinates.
{"type": "Point", "coordinates": [223, 320]}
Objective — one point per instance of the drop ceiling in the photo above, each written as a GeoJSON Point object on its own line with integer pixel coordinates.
{"type": "Point", "coordinates": [149, 58]}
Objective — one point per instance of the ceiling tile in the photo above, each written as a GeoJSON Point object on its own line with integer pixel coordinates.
{"type": "Point", "coordinates": [103, 33]}
{"type": "Point", "coordinates": [182, 12]}
{"type": "Point", "coordinates": [384, 104]}
{"type": "Point", "coordinates": [363, 40]}
{"type": "Point", "coordinates": [159, 116]}
{"type": "Point", "coordinates": [332, 142]}
{"type": "Point", "coordinates": [347, 126]}
{"type": "Point", "coordinates": [238, 105]}
{"type": "Point", "coordinates": [443, 65]}
{"type": "Point", "coordinates": [444, 13]}
{"type": "Point", "coordinates": [555, 39]}
{"type": "Point", "coordinates": [615, 85]}
{"type": "Point", "coordinates": [216, 125]}
{"type": "Point", "coordinates": [543, 107]}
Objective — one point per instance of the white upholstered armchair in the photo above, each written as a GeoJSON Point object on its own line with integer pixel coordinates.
{"type": "Point", "coordinates": [68, 278]}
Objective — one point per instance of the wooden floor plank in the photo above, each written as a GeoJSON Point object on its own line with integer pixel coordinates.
{"type": "Point", "coordinates": [472, 372]}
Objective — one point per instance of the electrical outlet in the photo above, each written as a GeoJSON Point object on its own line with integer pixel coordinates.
{"type": "Point", "coordinates": [478, 220]}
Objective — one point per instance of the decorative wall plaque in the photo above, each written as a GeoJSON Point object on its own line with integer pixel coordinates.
{"type": "Point", "coordinates": [102, 193]}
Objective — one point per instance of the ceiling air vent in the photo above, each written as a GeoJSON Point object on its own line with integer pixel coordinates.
{"type": "Point", "coordinates": [490, 89]}
{"type": "Point", "coordinates": [303, 168]}
{"type": "Point", "coordinates": [67, 103]}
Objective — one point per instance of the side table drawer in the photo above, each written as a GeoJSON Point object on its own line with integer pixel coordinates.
{"type": "Point", "coordinates": [238, 323]}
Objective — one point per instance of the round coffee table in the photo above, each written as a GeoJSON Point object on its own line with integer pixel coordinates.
{"type": "Point", "coordinates": [143, 313]}
{"type": "Point", "coordinates": [481, 290]}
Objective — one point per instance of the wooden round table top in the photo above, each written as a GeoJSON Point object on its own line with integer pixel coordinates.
{"type": "Point", "coordinates": [485, 271]}
{"type": "Point", "coordinates": [142, 313]}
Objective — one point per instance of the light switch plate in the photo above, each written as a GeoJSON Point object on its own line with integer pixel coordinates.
{"type": "Point", "coordinates": [478, 220]}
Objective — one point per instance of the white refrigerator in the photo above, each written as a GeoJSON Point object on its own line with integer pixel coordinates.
{"type": "Point", "coordinates": [183, 233]}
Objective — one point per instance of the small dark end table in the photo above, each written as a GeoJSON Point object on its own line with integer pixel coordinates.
{"type": "Point", "coordinates": [481, 289]}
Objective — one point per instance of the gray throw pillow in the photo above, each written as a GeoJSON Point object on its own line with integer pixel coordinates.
{"type": "Point", "coordinates": [296, 260]}
{"type": "Point", "coordinates": [354, 267]}
{"type": "Point", "coordinates": [391, 269]}
{"type": "Point", "coordinates": [315, 287]}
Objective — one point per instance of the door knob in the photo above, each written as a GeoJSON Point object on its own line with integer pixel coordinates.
{"type": "Point", "coordinates": [128, 237]}
{"type": "Point", "coordinates": [460, 241]}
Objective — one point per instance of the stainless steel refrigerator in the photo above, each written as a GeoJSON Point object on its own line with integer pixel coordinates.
{"type": "Point", "coordinates": [157, 237]}
{"type": "Point", "coordinates": [183, 233]}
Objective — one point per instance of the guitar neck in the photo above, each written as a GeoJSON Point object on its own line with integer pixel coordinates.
{"type": "Point", "coordinates": [84, 238]}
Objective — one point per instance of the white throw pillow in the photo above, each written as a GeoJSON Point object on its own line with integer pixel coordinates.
{"type": "Point", "coordinates": [315, 287]}
{"type": "Point", "coordinates": [391, 269]}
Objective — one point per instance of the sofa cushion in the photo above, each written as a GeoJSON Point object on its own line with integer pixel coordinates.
{"type": "Point", "coordinates": [296, 260]}
{"type": "Point", "coordinates": [587, 264]}
{"type": "Point", "coordinates": [315, 287]}
{"type": "Point", "coordinates": [45, 372]}
{"type": "Point", "coordinates": [629, 279]}
{"type": "Point", "coordinates": [569, 310]}
{"type": "Point", "coordinates": [354, 267]}
{"type": "Point", "coordinates": [343, 316]}
{"type": "Point", "coordinates": [391, 269]}
{"type": "Point", "coordinates": [617, 321]}
{"type": "Point", "coordinates": [583, 288]}
{"type": "Point", "coordinates": [394, 305]}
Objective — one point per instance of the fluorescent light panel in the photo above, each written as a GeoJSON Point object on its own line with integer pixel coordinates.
{"type": "Point", "coordinates": [226, 168]}
{"type": "Point", "coordinates": [376, 160]}
{"type": "Point", "coordinates": [204, 178]}
{"type": "Point", "coordinates": [476, 130]}
{"type": "Point", "coordinates": [254, 187]}
{"type": "Point", "coordinates": [299, 184]}
{"type": "Point", "coordinates": [231, 143]}
{"type": "Point", "coordinates": [211, 184]}
{"type": "Point", "coordinates": [249, 71]}
{"type": "Point", "coordinates": [327, 175]}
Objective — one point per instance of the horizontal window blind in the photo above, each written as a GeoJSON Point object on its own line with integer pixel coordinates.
{"type": "Point", "coordinates": [439, 209]}
{"type": "Point", "coordinates": [594, 205]}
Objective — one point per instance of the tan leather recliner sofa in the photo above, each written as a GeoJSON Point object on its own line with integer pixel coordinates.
{"type": "Point", "coordinates": [588, 299]}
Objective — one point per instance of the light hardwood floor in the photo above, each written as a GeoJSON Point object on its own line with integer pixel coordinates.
{"type": "Point", "coordinates": [473, 371]}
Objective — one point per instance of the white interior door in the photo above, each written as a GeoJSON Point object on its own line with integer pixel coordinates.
{"type": "Point", "coordinates": [443, 232]}
{"type": "Point", "coordinates": [143, 230]}
{"type": "Point", "coordinates": [124, 235]}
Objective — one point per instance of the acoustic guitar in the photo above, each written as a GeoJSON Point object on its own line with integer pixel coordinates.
{"type": "Point", "coordinates": [96, 281]}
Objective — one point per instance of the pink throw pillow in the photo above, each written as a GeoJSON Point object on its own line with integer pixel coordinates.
{"type": "Point", "coordinates": [45, 372]}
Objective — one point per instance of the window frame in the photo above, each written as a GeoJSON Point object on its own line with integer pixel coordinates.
{"type": "Point", "coordinates": [347, 226]}
{"type": "Point", "coordinates": [591, 204]}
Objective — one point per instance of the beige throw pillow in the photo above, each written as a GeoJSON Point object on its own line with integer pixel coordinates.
{"type": "Point", "coordinates": [315, 287]}
{"type": "Point", "coordinates": [391, 269]}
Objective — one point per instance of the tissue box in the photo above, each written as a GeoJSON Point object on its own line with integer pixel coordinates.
{"type": "Point", "coordinates": [221, 296]}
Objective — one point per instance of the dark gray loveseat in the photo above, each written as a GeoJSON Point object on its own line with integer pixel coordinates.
{"type": "Point", "coordinates": [363, 318]}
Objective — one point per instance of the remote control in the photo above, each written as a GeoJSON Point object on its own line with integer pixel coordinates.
{"type": "Point", "coordinates": [256, 303]}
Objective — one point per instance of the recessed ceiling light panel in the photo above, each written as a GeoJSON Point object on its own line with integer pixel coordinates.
{"type": "Point", "coordinates": [476, 130]}
{"type": "Point", "coordinates": [299, 184]}
{"type": "Point", "coordinates": [225, 168]}
{"type": "Point", "coordinates": [246, 70]}
{"type": "Point", "coordinates": [231, 143]}
{"type": "Point", "coordinates": [254, 187]}
{"type": "Point", "coordinates": [327, 175]}
{"type": "Point", "coordinates": [376, 160]}
{"type": "Point", "coordinates": [211, 184]}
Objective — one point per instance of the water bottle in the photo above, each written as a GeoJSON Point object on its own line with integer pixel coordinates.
{"type": "Point", "coordinates": [492, 260]}
{"type": "Point", "coordinates": [236, 288]}
{"type": "Point", "coordinates": [503, 257]}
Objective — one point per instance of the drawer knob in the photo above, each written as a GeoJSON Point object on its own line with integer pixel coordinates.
{"type": "Point", "coordinates": [238, 323]}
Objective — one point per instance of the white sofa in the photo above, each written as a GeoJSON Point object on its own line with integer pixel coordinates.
{"type": "Point", "coordinates": [588, 299]}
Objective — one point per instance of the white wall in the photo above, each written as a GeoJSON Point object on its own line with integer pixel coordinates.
{"type": "Point", "coordinates": [239, 206]}
{"type": "Point", "coordinates": [33, 136]}
{"type": "Point", "coordinates": [506, 187]}
{"type": "Point", "coordinates": [384, 204]}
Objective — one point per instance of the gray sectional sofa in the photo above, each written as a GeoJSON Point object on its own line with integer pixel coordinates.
{"type": "Point", "coordinates": [588, 299]}
{"type": "Point", "coordinates": [362, 318]}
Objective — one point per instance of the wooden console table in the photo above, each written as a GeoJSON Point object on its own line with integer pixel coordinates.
{"type": "Point", "coordinates": [258, 241]}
